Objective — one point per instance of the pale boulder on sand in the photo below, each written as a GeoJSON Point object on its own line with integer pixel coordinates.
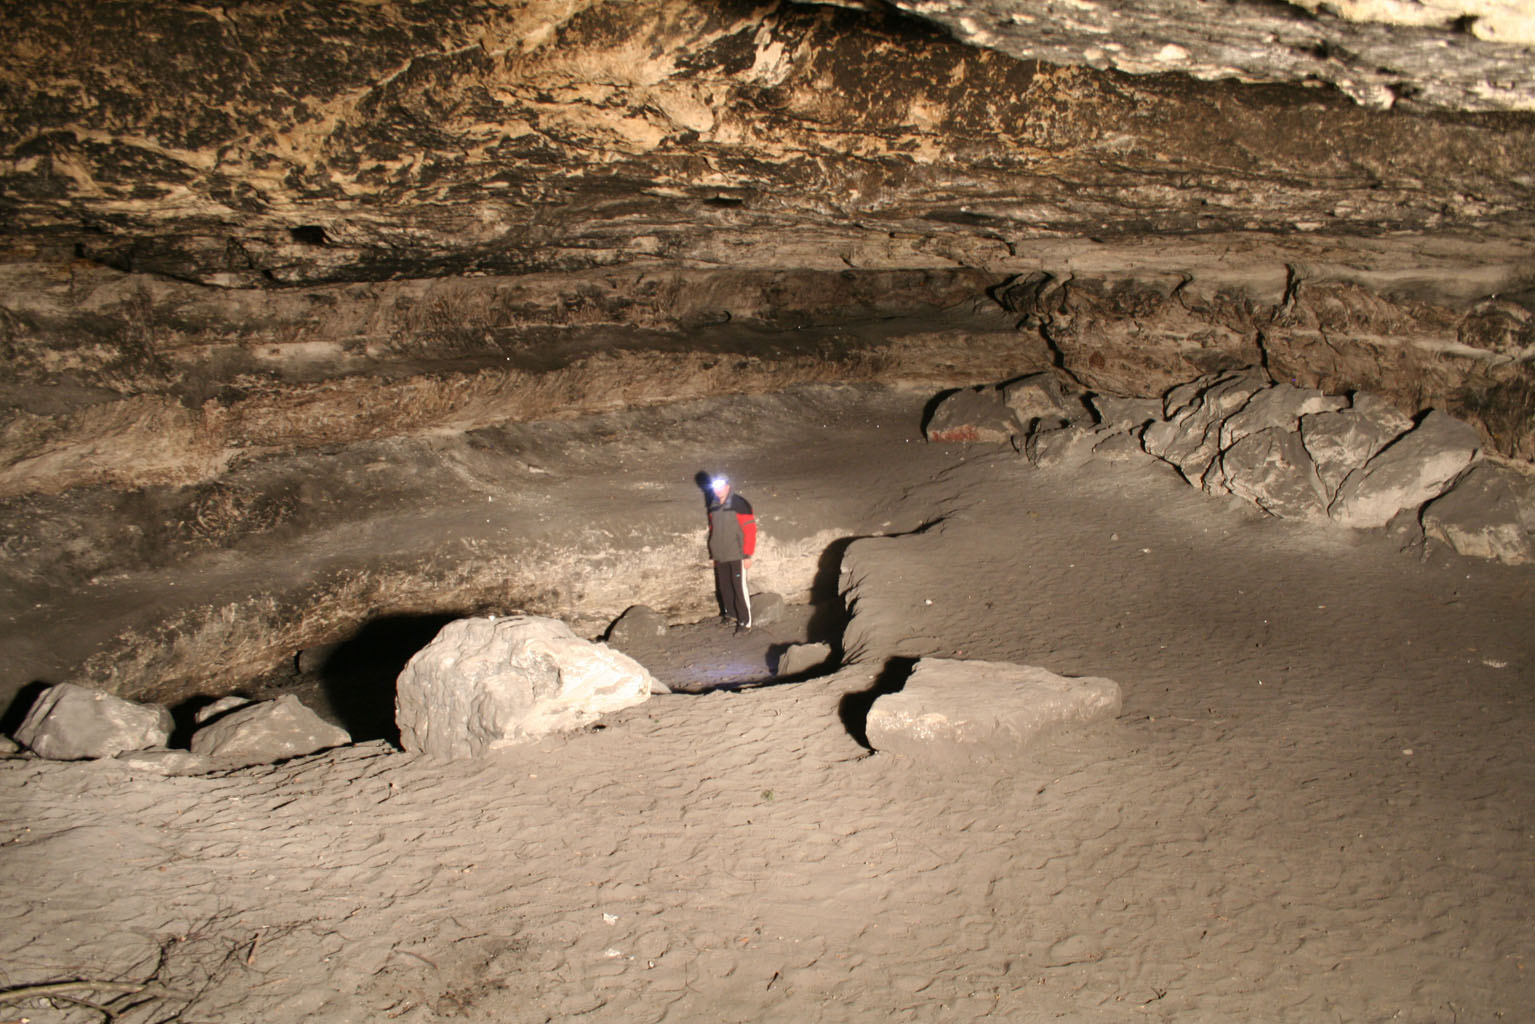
{"type": "Point", "coordinates": [984, 708]}
{"type": "Point", "coordinates": [484, 683]}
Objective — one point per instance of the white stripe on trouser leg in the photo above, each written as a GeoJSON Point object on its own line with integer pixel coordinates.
{"type": "Point", "coordinates": [746, 597]}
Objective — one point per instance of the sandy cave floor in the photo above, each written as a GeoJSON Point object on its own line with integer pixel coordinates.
{"type": "Point", "coordinates": [1317, 806]}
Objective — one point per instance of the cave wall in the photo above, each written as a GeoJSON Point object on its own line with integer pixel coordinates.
{"type": "Point", "coordinates": [210, 206]}
{"type": "Point", "coordinates": [235, 237]}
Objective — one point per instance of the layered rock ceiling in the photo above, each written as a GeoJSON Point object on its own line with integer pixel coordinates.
{"type": "Point", "coordinates": [237, 227]}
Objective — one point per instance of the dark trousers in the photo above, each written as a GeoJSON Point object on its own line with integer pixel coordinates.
{"type": "Point", "coordinates": [730, 583]}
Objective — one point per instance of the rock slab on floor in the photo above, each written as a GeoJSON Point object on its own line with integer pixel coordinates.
{"type": "Point", "coordinates": [71, 723]}
{"type": "Point", "coordinates": [1489, 513]}
{"type": "Point", "coordinates": [484, 683]}
{"type": "Point", "coordinates": [967, 709]}
{"type": "Point", "coordinates": [973, 415]}
{"type": "Point", "coordinates": [267, 731]}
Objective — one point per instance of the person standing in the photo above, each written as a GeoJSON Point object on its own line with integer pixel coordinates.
{"type": "Point", "coordinates": [732, 541]}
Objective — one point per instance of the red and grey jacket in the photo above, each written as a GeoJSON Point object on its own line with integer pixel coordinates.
{"type": "Point", "coordinates": [732, 529]}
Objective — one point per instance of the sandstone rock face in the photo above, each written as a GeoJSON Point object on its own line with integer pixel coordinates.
{"type": "Point", "coordinates": [1341, 442]}
{"type": "Point", "coordinates": [1272, 469]}
{"type": "Point", "coordinates": [267, 731]}
{"type": "Point", "coordinates": [1190, 436]}
{"type": "Point", "coordinates": [1379, 52]}
{"type": "Point", "coordinates": [1415, 468]}
{"type": "Point", "coordinates": [487, 683]}
{"type": "Point", "coordinates": [976, 708]}
{"type": "Point", "coordinates": [1489, 513]}
{"type": "Point", "coordinates": [973, 415]}
{"type": "Point", "coordinates": [70, 723]}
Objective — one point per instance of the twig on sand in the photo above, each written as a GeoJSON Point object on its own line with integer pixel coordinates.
{"type": "Point", "coordinates": [66, 990]}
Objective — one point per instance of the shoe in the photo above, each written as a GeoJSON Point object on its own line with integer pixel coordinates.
{"type": "Point", "coordinates": [741, 627]}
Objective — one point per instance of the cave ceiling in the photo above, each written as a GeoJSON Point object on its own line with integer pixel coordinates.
{"type": "Point", "coordinates": [251, 144]}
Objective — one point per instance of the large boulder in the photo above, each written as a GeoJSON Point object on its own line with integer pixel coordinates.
{"type": "Point", "coordinates": [267, 731]}
{"type": "Point", "coordinates": [70, 723]}
{"type": "Point", "coordinates": [1489, 513]}
{"type": "Point", "coordinates": [1273, 470]}
{"type": "Point", "coordinates": [485, 683]}
{"type": "Point", "coordinates": [969, 709]}
{"type": "Point", "coordinates": [1344, 440]}
{"type": "Point", "coordinates": [1415, 468]}
{"type": "Point", "coordinates": [1190, 436]}
{"type": "Point", "coordinates": [973, 415]}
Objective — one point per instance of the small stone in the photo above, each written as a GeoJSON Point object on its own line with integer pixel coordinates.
{"type": "Point", "coordinates": [798, 659]}
{"type": "Point", "coordinates": [223, 705]}
{"type": "Point", "coordinates": [638, 622]}
{"type": "Point", "coordinates": [1037, 401]}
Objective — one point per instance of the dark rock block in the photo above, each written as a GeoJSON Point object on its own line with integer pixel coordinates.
{"type": "Point", "coordinates": [638, 623]}
{"type": "Point", "coordinates": [767, 608]}
{"type": "Point", "coordinates": [798, 659]}
{"type": "Point", "coordinates": [973, 415]}
{"type": "Point", "coordinates": [1488, 513]}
